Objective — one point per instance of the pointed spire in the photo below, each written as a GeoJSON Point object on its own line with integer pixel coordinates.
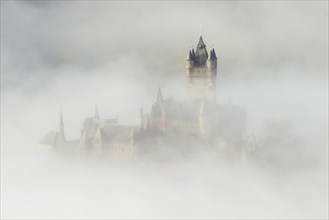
{"type": "Point", "coordinates": [159, 98]}
{"type": "Point", "coordinates": [193, 53]}
{"type": "Point", "coordinates": [214, 53]}
{"type": "Point", "coordinates": [189, 55]}
{"type": "Point", "coordinates": [96, 115]}
{"type": "Point", "coordinates": [201, 43]}
{"type": "Point", "coordinates": [210, 55]}
{"type": "Point", "coordinates": [201, 54]}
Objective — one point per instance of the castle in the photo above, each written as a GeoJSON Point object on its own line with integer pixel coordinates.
{"type": "Point", "coordinates": [198, 120]}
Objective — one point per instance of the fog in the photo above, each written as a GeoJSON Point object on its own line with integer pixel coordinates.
{"type": "Point", "coordinates": [272, 61]}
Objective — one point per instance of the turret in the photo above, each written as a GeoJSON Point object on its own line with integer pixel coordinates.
{"type": "Point", "coordinates": [212, 60]}
{"type": "Point", "coordinates": [189, 60]}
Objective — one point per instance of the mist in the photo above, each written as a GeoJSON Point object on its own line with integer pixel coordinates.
{"type": "Point", "coordinates": [272, 61]}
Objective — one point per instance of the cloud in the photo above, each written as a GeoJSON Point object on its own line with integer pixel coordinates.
{"type": "Point", "coordinates": [273, 61]}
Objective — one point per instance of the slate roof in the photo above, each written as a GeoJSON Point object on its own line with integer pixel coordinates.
{"type": "Point", "coordinates": [201, 54]}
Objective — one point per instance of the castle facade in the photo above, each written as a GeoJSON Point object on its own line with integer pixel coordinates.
{"type": "Point", "coordinates": [198, 120]}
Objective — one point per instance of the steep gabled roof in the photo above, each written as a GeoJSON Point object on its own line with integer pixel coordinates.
{"type": "Point", "coordinates": [201, 53]}
{"type": "Point", "coordinates": [159, 98]}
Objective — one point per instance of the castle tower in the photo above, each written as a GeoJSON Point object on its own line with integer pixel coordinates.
{"type": "Point", "coordinates": [201, 71]}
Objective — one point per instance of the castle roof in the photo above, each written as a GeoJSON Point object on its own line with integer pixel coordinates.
{"type": "Point", "coordinates": [118, 133]}
{"type": "Point", "coordinates": [212, 55]}
{"type": "Point", "coordinates": [189, 55]}
{"type": "Point", "coordinates": [53, 139]}
{"type": "Point", "coordinates": [201, 53]}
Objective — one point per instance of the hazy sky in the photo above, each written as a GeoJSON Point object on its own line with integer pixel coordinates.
{"type": "Point", "coordinates": [249, 36]}
{"type": "Point", "coordinates": [273, 61]}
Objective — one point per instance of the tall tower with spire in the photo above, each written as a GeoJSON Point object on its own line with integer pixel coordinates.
{"type": "Point", "coordinates": [201, 71]}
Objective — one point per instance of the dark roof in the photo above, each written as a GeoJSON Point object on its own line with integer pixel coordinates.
{"type": "Point", "coordinates": [189, 56]}
{"type": "Point", "coordinates": [212, 55]}
{"type": "Point", "coordinates": [201, 54]}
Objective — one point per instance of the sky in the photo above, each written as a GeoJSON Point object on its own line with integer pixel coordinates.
{"type": "Point", "coordinates": [272, 61]}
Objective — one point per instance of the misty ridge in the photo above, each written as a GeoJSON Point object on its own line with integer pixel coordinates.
{"type": "Point", "coordinates": [78, 54]}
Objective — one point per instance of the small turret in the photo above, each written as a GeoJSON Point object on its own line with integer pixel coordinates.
{"type": "Point", "coordinates": [212, 60]}
{"type": "Point", "coordinates": [189, 56]}
{"type": "Point", "coordinates": [190, 60]}
{"type": "Point", "coordinates": [214, 54]}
